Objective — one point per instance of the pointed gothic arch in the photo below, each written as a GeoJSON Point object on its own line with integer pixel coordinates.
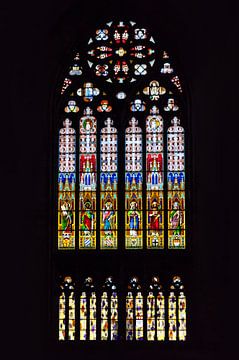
{"type": "Point", "coordinates": [122, 183]}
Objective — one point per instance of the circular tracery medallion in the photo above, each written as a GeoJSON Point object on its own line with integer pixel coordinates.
{"type": "Point", "coordinates": [121, 51]}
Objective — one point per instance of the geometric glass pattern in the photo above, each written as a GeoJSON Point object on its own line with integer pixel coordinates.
{"type": "Point", "coordinates": [177, 311]}
{"type": "Point", "coordinates": [88, 311]}
{"type": "Point", "coordinates": [120, 187]}
{"type": "Point", "coordinates": [155, 180]}
{"type": "Point", "coordinates": [141, 318]}
{"type": "Point", "coordinates": [176, 186]}
{"type": "Point", "coordinates": [87, 180]}
{"type": "Point", "coordinates": [155, 312]}
{"type": "Point", "coordinates": [120, 54]}
{"type": "Point", "coordinates": [108, 184]}
{"type": "Point", "coordinates": [109, 311]}
{"type": "Point", "coordinates": [67, 310]}
{"type": "Point", "coordinates": [66, 186]}
{"type": "Point", "coordinates": [134, 311]}
{"type": "Point", "coordinates": [133, 186]}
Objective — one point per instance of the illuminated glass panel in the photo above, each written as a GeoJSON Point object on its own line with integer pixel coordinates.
{"type": "Point", "coordinates": [154, 180]}
{"type": "Point", "coordinates": [133, 186]}
{"type": "Point", "coordinates": [114, 315]}
{"type": "Point", "coordinates": [104, 317]}
{"type": "Point", "coordinates": [177, 311]}
{"type": "Point", "coordinates": [172, 316]}
{"type": "Point", "coordinates": [88, 92]}
{"type": "Point", "coordinates": [71, 329]}
{"type": "Point", "coordinates": [139, 316]}
{"type": "Point", "coordinates": [66, 186]}
{"type": "Point", "coordinates": [67, 310]}
{"type": "Point", "coordinates": [176, 186]}
{"type": "Point", "coordinates": [62, 317]}
{"type": "Point", "coordinates": [108, 187]}
{"type": "Point", "coordinates": [160, 316]}
{"type": "Point", "coordinates": [155, 312]}
{"type": "Point", "coordinates": [134, 311]}
{"type": "Point", "coordinates": [151, 326]}
{"type": "Point", "coordinates": [121, 52]}
{"type": "Point", "coordinates": [93, 316]}
{"type": "Point", "coordinates": [154, 90]}
{"type": "Point", "coordinates": [182, 316]}
{"type": "Point", "coordinates": [67, 82]}
{"type": "Point", "coordinates": [88, 311]}
{"type": "Point", "coordinates": [83, 316]}
{"type": "Point", "coordinates": [87, 180]}
{"type": "Point", "coordinates": [109, 311]}
{"type": "Point", "coordinates": [129, 316]}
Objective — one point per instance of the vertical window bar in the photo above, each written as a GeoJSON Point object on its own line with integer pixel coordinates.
{"type": "Point", "coordinates": [133, 186]}
{"type": "Point", "coordinates": [155, 180]}
{"type": "Point", "coordinates": [87, 180]}
{"type": "Point", "coordinates": [66, 186]}
{"type": "Point", "coordinates": [109, 187]}
{"type": "Point", "coordinates": [176, 186]}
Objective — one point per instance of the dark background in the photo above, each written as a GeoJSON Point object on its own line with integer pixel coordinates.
{"type": "Point", "coordinates": [203, 38]}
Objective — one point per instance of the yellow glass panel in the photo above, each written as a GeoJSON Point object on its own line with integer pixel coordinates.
{"type": "Point", "coordinates": [93, 316]}
{"type": "Point", "coordinates": [139, 335]}
{"type": "Point", "coordinates": [182, 317]}
{"type": "Point", "coordinates": [160, 317]}
{"type": "Point", "coordinates": [104, 317]}
{"type": "Point", "coordinates": [155, 220]}
{"type": "Point", "coordinates": [87, 220]}
{"type": "Point", "coordinates": [172, 317]}
{"type": "Point", "coordinates": [71, 328]}
{"type": "Point", "coordinates": [150, 317]}
{"type": "Point", "coordinates": [62, 309]}
{"type": "Point", "coordinates": [83, 316]}
{"type": "Point", "coordinates": [114, 316]}
{"type": "Point", "coordinates": [129, 316]}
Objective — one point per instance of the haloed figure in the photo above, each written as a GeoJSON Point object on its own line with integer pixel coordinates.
{"type": "Point", "coordinates": [154, 216]}
{"type": "Point", "coordinates": [175, 218]}
{"type": "Point", "coordinates": [108, 216]}
{"type": "Point", "coordinates": [67, 216]}
{"type": "Point", "coordinates": [87, 217]}
{"type": "Point", "coordinates": [133, 217]}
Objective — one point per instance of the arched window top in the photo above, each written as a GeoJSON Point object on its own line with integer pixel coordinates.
{"type": "Point", "coordinates": [155, 285]}
{"type": "Point", "coordinates": [109, 284]}
{"type": "Point", "coordinates": [67, 284]}
{"type": "Point", "coordinates": [134, 284]}
{"type": "Point", "coordinates": [177, 283]}
{"type": "Point", "coordinates": [120, 53]}
{"type": "Point", "coordinates": [88, 284]}
{"type": "Point", "coordinates": [122, 186]}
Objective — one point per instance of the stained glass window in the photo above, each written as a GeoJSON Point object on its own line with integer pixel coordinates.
{"type": "Point", "coordinates": [177, 311]}
{"type": "Point", "coordinates": [155, 311]}
{"type": "Point", "coordinates": [108, 184]}
{"type": "Point", "coordinates": [134, 311]}
{"type": "Point", "coordinates": [66, 186]}
{"type": "Point", "coordinates": [87, 179]}
{"type": "Point", "coordinates": [155, 179]}
{"type": "Point", "coordinates": [62, 316]}
{"type": "Point", "coordinates": [121, 53]}
{"type": "Point", "coordinates": [176, 186]}
{"type": "Point", "coordinates": [145, 309]}
{"type": "Point", "coordinates": [121, 186]}
{"type": "Point", "coordinates": [133, 186]}
{"type": "Point", "coordinates": [67, 310]}
{"type": "Point", "coordinates": [88, 311]}
{"type": "Point", "coordinates": [109, 311]}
